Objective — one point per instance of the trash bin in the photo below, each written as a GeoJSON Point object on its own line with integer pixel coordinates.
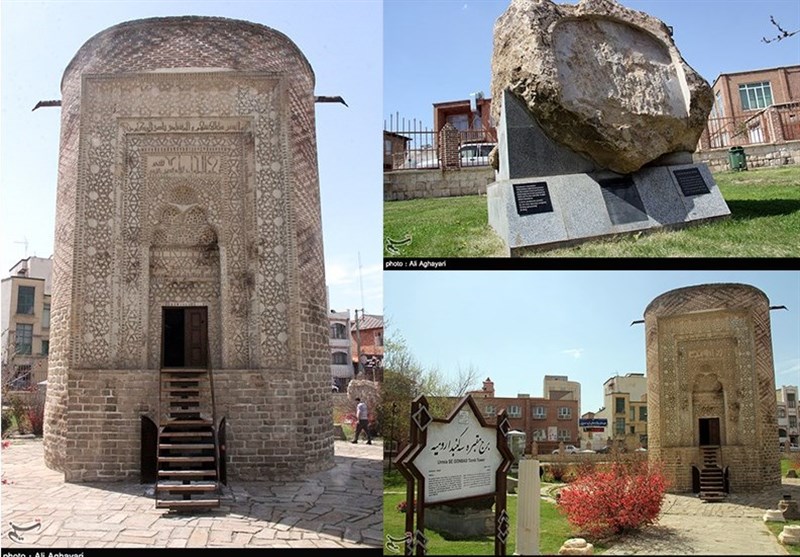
{"type": "Point", "coordinates": [737, 158]}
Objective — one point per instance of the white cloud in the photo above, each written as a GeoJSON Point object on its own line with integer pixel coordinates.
{"type": "Point", "coordinates": [788, 369]}
{"type": "Point", "coordinates": [574, 352]}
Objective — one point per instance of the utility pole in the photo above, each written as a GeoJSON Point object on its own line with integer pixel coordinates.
{"type": "Point", "coordinates": [358, 344]}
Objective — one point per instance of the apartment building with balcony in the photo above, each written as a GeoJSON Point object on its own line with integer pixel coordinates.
{"type": "Point", "coordinates": [25, 317]}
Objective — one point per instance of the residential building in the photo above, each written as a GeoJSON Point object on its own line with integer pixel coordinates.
{"type": "Point", "coordinates": [787, 414]}
{"type": "Point", "coordinates": [367, 334]}
{"type": "Point", "coordinates": [394, 149]}
{"type": "Point", "coordinates": [625, 409]}
{"type": "Point", "coordinates": [559, 387]}
{"type": "Point", "coordinates": [471, 117]}
{"type": "Point", "coordinates": [548, 422]}
{"type": "Point", "coordinates": [26, 322]}
{"type": "Point", "coordinates": [341, 352]}
{"type": "Point", "coordinates": [754, 106]}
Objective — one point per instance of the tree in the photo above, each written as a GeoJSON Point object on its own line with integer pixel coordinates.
{"type": "Point", "coordinates": [783, 34]}
{"type": "Point", "coordinates": [405, 379]}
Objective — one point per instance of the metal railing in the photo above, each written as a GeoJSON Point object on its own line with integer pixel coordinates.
{"type": "Point", "coordinates": [410, 145]}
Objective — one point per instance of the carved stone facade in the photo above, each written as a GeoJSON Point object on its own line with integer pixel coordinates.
{"type": "Point", "coordinates": [711, 382]}
{"type": "Point", "coordinates": [188, 178]}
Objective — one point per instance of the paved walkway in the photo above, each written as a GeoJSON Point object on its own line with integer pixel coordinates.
{"type": "Point", "coordinates": [689, 526]}
{"type": "Point", "coordinates": [338, 508]}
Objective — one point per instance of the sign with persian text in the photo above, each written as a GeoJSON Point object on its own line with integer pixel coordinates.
{"type": "Point", "coordinates": [460, 458]}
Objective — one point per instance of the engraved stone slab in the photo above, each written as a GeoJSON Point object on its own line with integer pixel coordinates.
{"type": "Point", "coordinates": [690, 181]}
{"type": "Point", "coordinates": [532, 198]}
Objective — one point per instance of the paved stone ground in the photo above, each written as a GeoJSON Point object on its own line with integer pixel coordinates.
{"type": "Point", "coordinates": [689, 526]}
{"type": "Point", "coordinates": [338, 508]}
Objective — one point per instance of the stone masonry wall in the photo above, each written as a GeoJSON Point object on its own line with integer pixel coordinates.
{"type": "Point", "coordinates": [757, 156]}
{"type": "Point", "coordinates": [419, 184]}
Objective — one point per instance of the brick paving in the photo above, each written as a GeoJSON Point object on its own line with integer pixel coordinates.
{"type": "Point", "coordinates": [337, 508]}
{"type": "Point", "coordinates": [689, 526]}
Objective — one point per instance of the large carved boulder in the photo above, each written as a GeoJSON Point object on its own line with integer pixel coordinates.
{"type": "Point", "coordinates": [602, 79]}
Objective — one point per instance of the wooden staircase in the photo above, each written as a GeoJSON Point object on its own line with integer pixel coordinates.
{"type": "Point", "coordinates": [188, 451]}
{"type": "Point", "coordinates": [712, 478]}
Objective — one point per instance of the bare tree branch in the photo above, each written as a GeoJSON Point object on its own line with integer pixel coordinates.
{"type": "Point", "coordinates": [783, 33]}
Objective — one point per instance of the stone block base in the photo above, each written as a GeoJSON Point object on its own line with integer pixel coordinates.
{"type": "Point", "coordinates": [540, 213]}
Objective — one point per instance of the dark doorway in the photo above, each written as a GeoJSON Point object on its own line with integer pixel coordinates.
{"type": "Point", "coordinates": [185, 337]}
{"type": "Point", "coordinates": [709, 431]}
{"type": "Point", "coordinates": [149, 451]}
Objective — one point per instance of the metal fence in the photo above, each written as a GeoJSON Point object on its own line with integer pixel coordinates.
{"type": "Point", "coordinates": [410, 145]}
{"type": "Point", "coordinates": [773, 124]}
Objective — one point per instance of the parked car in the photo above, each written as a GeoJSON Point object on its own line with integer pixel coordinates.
{"type": "Point", "coordinates": [587, 451]}
{"type": "Point", "coordinates": [475, 154]}
{"type": "Point", "coordinates": [568, 449]}
{"type": "Point", "coordinates": [603, 450]}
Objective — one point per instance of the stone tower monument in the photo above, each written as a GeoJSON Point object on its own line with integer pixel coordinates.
{"type": "Point", "coordinates": [711, 389]}
{"type": "Point", "coordinates": [189, 282]}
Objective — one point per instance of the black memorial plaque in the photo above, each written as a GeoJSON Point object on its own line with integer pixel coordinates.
{"type": "Point", "coordinates": [532, 198]}
{"type": "Point", "coordinates": [622, 200]}
{"type": "Point", "coordinates": [691, 181]}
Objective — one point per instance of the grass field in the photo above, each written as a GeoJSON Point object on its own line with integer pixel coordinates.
{"type": "Point", "coordinates": [764, 222]}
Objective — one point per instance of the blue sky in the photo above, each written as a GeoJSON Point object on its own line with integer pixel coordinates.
{"type": "Point", "coordinates": [342, 41]}
{"type": "Point", "coordinates": [441, 50]}
{"type": "Point", "coordinates": [517, 326]}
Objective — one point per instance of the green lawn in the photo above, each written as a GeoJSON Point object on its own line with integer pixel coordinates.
{"type": "Point", "coordinates": [764, 222]}
{"type": "Point", "coordinates": [554, 528]}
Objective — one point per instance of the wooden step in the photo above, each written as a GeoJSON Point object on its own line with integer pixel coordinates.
{"type": "Point", "coordinates": [183, 400]}
{"type": "Point", "coordinates": [187, 488]}
{"type": "Point", "coordinates": [186, 459]}
{"type": "Point", "coordinates": [184, 389]}
{"type": "Point", "coordinates": [195, 423]}
{"type": "Point", "coordinates": [185, 474]}
{"type": "Point", "coordinates": [192, 370]}
{"type": "Point", "coordinates": [186, 446]}
{"type": "Point", "coordinates": [186, 434]}
{"type": "Point", "coordinates": [188, 504]}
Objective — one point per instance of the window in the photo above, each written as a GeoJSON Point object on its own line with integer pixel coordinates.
{"type": "Point", "coordinates": [25, 296]}
{"type": "Point", "coordinates": [489, 411]}
{"type": "Point", "coordinates": [790, 402]}
{"type": "Point", "coordinates": [514, 411]}
{"type": "Point", "coordinates": [633, 429]}
{"type": "Point", "coordinates": [620, 405]}
{"type": "Point", "coordinates": [539, 412]}
{"type": "Point", "coordinates": [619, 426]}
{"type": "Point", "coordinates": [24, 338]}
{"type": "Point", "coordinates": [564, 413]}
{"type": "Point", "coordinates": [45, 347]}
{"type": "Point", "coordinates": [378, 339]}
{"type": "Point", "coordinates": [22, 378]}
{"type": "Point", "coordinates": [459, 121]}
{"type": "Point", "coordinates": [718, 110]}
{"type": "Point", "coordinates": [755, 95]}
{"type": "Point", "coordinates": [792, 421]}
{"type": "Point", "coordinates": [781, 412]}
{"type": "Point", "coordinates": [339, 358]}
{"type": "Point", "coordinates": [387, 146]}
{"type": "Point", "coordinates": [643, 413]}
{"type": "Point", "coordinates": [633, 413]}
{"type": "Point", "coordinates": [46, 316]}
{"type": "Point", "coordinates": [338, 331]}
{"type": "Point", "coordinates": [564, 435]}
{"type": "Point", "coordinates": [540, 435]}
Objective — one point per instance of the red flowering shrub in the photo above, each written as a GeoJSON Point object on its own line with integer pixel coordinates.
{"type": "Point", "coordinates": [402, 506]}
{"type": "Point", "coordinates": [558, 471]}
{"type": "Point", "coordinates": [622, 498]}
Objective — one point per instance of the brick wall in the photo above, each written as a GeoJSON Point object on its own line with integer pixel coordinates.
{"type": "Point", "coordinates": [273, 363]}
{"type": "Point", "coordinates": [420, 184]}
{"type": "Point", "coordinates": [709, 355]}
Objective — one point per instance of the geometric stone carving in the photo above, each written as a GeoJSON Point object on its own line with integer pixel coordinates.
{"type": "Point", "coordinates": [709, 353]}
{"type": "Point", "coordinates": [188, 177]}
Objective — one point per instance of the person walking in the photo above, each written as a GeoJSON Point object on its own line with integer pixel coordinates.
{"type": "Point", "coordinates": [363, 421]}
